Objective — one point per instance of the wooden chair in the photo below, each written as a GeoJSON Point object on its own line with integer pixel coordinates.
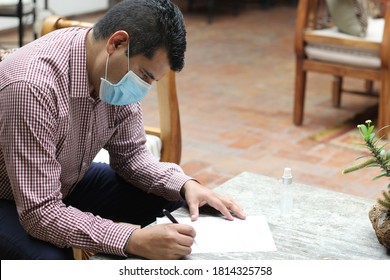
{"type": "Point", "coordinates": [169, 131]}
{"type": "Point", "coordinates": [308, 36]}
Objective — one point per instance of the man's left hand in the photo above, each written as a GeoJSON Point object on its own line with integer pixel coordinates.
{"type": "Point", "coordinates": [198, 195]}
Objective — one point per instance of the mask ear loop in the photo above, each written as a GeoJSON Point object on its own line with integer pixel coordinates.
{"type": "Point", "coordinates": [128, 51]}
{"type": "Point", "coordinates": [105, 74]}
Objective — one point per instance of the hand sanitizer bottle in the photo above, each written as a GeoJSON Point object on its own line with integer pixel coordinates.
{"type": "Point", "coordinates": [286, 202]}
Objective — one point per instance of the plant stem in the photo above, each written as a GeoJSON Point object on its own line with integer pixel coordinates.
{"type": "Point", "coordinates": [380, 160]}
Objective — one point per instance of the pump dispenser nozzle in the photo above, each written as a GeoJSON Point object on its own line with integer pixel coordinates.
{"type": "Point", "coordinates": [286, 205]}
{"type": "Point", "coordinates": [287, 176]}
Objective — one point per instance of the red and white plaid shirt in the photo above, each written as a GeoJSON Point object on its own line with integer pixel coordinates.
{"type": "Point", "coordinates": [50, 131]}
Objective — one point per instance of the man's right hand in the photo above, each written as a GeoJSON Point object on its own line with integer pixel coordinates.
{"type": "Point", "coordinates": [162, 242]}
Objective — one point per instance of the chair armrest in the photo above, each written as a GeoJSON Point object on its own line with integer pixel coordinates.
{"type": "Point", "coordinates": [152, 130]}
{"type": "Point", "coordinates": [52, 23]}
{"type": "Point", "coordinates": [169, 118]}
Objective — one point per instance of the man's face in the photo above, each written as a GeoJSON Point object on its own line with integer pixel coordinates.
{"type": "Point", "coordinates": [147, 69]}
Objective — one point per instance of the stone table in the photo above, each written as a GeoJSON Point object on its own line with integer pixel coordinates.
{"type": "Point", "coordinates": [323, 225]}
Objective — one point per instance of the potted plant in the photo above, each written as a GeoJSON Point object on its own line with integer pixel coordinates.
{"type": "Point", "coordinates": [377, 157]}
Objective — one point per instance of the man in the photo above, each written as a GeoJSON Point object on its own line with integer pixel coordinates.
{"type": "Point", "coordinates": [64, 97]}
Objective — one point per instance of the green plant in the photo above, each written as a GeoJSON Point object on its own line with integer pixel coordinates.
{"type": "Point", "coordinates": [378, 157]}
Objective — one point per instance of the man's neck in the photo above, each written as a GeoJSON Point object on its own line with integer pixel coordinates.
{"type": "Point", "coordinates": [95, 57]}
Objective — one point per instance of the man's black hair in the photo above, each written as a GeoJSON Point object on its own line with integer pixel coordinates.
{"type": "Point", "coordinates": [151, 24]}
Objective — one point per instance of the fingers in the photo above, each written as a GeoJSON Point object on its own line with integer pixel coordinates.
{"type": "Point", "coordinates": [227, 206]}
{"type": "Point", "coordinates": [194, 210]}
{"type": "Point", "coordinates": [235, 208]}
{"type": "Point", "coordinates": [187, 233]}
{"type": "Point", "coordinates": [197, 195]}
{"type": "Point", "coordinates": [164, 241]}
{"type": "Point", "coordinates": [185, 229]}
{"type": "Point", "coordinates": [183, 240]}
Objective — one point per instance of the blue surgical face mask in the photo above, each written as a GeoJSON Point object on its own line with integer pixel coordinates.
{"type": "Point", "coordinates": [128, 90]}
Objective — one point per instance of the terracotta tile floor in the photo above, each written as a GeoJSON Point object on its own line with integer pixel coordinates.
{"type": "Point", "coordinates": [236, 99]}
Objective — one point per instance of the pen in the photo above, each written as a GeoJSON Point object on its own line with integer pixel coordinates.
{"type": "Point", "coordinates": [169, 216]}
{"type": "Point", "coordinates": [172, 219]}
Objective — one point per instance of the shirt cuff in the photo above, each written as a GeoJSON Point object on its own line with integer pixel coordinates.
{"type": "Point", "coordinates": [116, 239]}
{"type": "Point", "coordinates": [175, 184]}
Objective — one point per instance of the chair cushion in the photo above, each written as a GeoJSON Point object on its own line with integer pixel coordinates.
{"type": "Point", "coordinates": [153, 143]}
{"type": "Point", "coordinates": [346, 55]}
{"type": "Point", "coordinates": [343, 56]}
{"type": "Point", "coordinates": [350, 16]}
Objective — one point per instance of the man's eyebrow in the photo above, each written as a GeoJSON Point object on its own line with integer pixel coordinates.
{"type": "Point", "coordinates": [150, 75]}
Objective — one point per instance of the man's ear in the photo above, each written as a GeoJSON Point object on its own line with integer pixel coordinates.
{"type": "Point", "coordinates": [119, 39]}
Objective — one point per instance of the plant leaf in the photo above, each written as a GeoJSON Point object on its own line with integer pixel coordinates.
{"type": "Point", "coordinates": [360, 165]}
{"type": "Point", "coordinates": [363, 129]}
{"type": "Point", "coordinates": [370, 129]}
{"type": "Point", "coordinates": [379, 176]}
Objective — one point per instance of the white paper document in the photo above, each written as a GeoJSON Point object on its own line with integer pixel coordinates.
{"type": "Point", "coordinates": [218, 235]}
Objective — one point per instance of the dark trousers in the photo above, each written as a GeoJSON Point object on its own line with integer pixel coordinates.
{"type": "Point", "coordinates": [101, 192]}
